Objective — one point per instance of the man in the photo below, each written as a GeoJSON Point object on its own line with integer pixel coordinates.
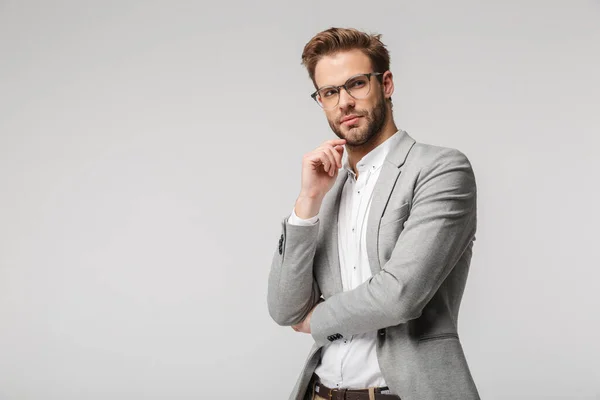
{"type": "Point", "coordinates": [373, 259]}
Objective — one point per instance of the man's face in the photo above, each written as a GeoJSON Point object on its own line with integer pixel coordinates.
{"type": "Point", "coordinates": [371, 112]}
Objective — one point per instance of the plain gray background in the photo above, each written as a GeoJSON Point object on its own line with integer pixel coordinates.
{"type": "Point", "coordinates": [149, 150]}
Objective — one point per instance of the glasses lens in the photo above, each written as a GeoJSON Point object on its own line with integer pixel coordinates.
{"type": "Point", "coordinates": [328, 97]}
{"type": "Point", "coordinates": [358, 87]}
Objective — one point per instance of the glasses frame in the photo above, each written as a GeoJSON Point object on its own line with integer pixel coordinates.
{"type": "Point", "coordinates": [338, 88]}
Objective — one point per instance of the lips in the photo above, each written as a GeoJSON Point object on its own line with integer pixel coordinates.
{"type": "Point", "coordinates": [349, 119]}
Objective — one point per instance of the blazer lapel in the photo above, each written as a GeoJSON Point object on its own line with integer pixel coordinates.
{"type": "Point", "coordinates": [329, 215]}
{"type": "Point", "coordinates": [381, 193]}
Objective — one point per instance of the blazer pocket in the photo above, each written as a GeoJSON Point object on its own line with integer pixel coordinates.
{"type": "Point", "coordinates": [394, 215]}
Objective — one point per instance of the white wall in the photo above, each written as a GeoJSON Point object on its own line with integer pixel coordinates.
{"type": "Point", "coordinates": [149, 150]}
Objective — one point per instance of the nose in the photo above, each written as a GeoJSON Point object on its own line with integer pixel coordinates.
{"type": "Point", "coordinates": [345, 99]}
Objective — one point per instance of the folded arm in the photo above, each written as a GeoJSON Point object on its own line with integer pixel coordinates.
{"type": "Point", "coordinates": [440, 226]}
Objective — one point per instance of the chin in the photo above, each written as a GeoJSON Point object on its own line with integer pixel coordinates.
{"type": "Point", "coordinates": [354, 131]}
{"type": "Point", "coordinates": [354, 140]}
{"type": "Point", "coordinates": [348, 129]}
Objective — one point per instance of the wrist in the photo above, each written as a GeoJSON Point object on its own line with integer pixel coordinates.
{"type": "Point", "coordinates": [307, 206]}
{"type": "Point", "coordinates": [311, 195]}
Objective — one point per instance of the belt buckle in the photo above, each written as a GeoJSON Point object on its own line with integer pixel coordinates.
{"type": "Point", "coordinates": [331, 395]}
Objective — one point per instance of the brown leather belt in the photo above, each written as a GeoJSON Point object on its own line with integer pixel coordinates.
{"type": "Point", "coordinates": [348, 394]}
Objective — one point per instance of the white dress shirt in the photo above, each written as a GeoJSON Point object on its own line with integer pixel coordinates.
{"type": "Point", "coordinates": [352, 362]}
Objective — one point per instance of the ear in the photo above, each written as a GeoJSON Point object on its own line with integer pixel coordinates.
{"type": "Point", "coordinates": [388, 84]}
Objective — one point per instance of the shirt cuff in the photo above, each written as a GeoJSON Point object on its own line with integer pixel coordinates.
{"type": "Point", "coordinates": [296, 220]}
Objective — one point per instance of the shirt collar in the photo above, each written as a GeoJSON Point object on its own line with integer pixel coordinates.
{"type": "Point", "coordinates": [374, 159]}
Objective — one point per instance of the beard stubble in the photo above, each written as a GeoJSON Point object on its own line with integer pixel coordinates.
{"type": "Point", "coordinates": [375, 122]}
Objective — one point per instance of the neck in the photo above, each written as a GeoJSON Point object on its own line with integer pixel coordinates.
{"type": "Point", "coordinates": [356, 153]}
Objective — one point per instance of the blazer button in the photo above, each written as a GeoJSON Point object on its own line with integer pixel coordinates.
{"type": "Point", "coordinates": [381, 332]}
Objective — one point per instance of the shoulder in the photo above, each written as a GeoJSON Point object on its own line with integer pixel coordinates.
{"type": "Point", "coordinates": [429, 163]}
{"type": "Point", "coordinates": [431, 156]}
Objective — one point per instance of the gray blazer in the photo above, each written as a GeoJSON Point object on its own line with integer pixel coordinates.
{"type": "Point", "coordinates": [420, 232]}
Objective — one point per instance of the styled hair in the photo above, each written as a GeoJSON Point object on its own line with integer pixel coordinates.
{"type": "Point", "coordinates": [334, 40]}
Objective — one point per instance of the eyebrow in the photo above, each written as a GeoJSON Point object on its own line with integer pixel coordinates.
{"type": "Point", "coordinates": [335, 86]}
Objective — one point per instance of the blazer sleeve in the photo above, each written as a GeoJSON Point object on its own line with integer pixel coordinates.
{"type": "Point", "coordinates": [292, 289]}
{"type": "Point", "coordinates": [441, 225]}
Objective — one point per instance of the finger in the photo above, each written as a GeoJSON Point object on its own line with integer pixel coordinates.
{"type": "Point", "coordinates": [324, 158]}
{"type": "Point", "coordinates": [317, 159]}
{"type": "Point", "coordinates": [334, 142]}
{"type": "Point", "coordinates": [335, 157]}
{"type": "Point", "coordinates": [338, 147]}
{"type": "Point", "coordinates": [328, 153]}
{"type": "Point", "coordinates": [328, 144]}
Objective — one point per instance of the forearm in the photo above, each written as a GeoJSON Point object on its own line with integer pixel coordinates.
{"type": "Point", "coordinates": [306, 207]}
{"type": "Point", "coordinates": [292, 289]}
{"type": "Point", "coordinates": [394, 296]}
{"type": "Point", "coordinates": [441, 225]}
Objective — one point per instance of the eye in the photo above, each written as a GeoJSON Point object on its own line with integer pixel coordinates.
{"type": "Point", "coordinates": [327, 92]}
{"type": "Point", "coordinates": [357, 83]}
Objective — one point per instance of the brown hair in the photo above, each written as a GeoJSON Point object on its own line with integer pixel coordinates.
{"type": "Point", "coordinates": [334, 40]}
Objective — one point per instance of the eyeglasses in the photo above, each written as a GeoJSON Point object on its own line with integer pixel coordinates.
{"type": "Point", "coordinates": [357, 86]}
